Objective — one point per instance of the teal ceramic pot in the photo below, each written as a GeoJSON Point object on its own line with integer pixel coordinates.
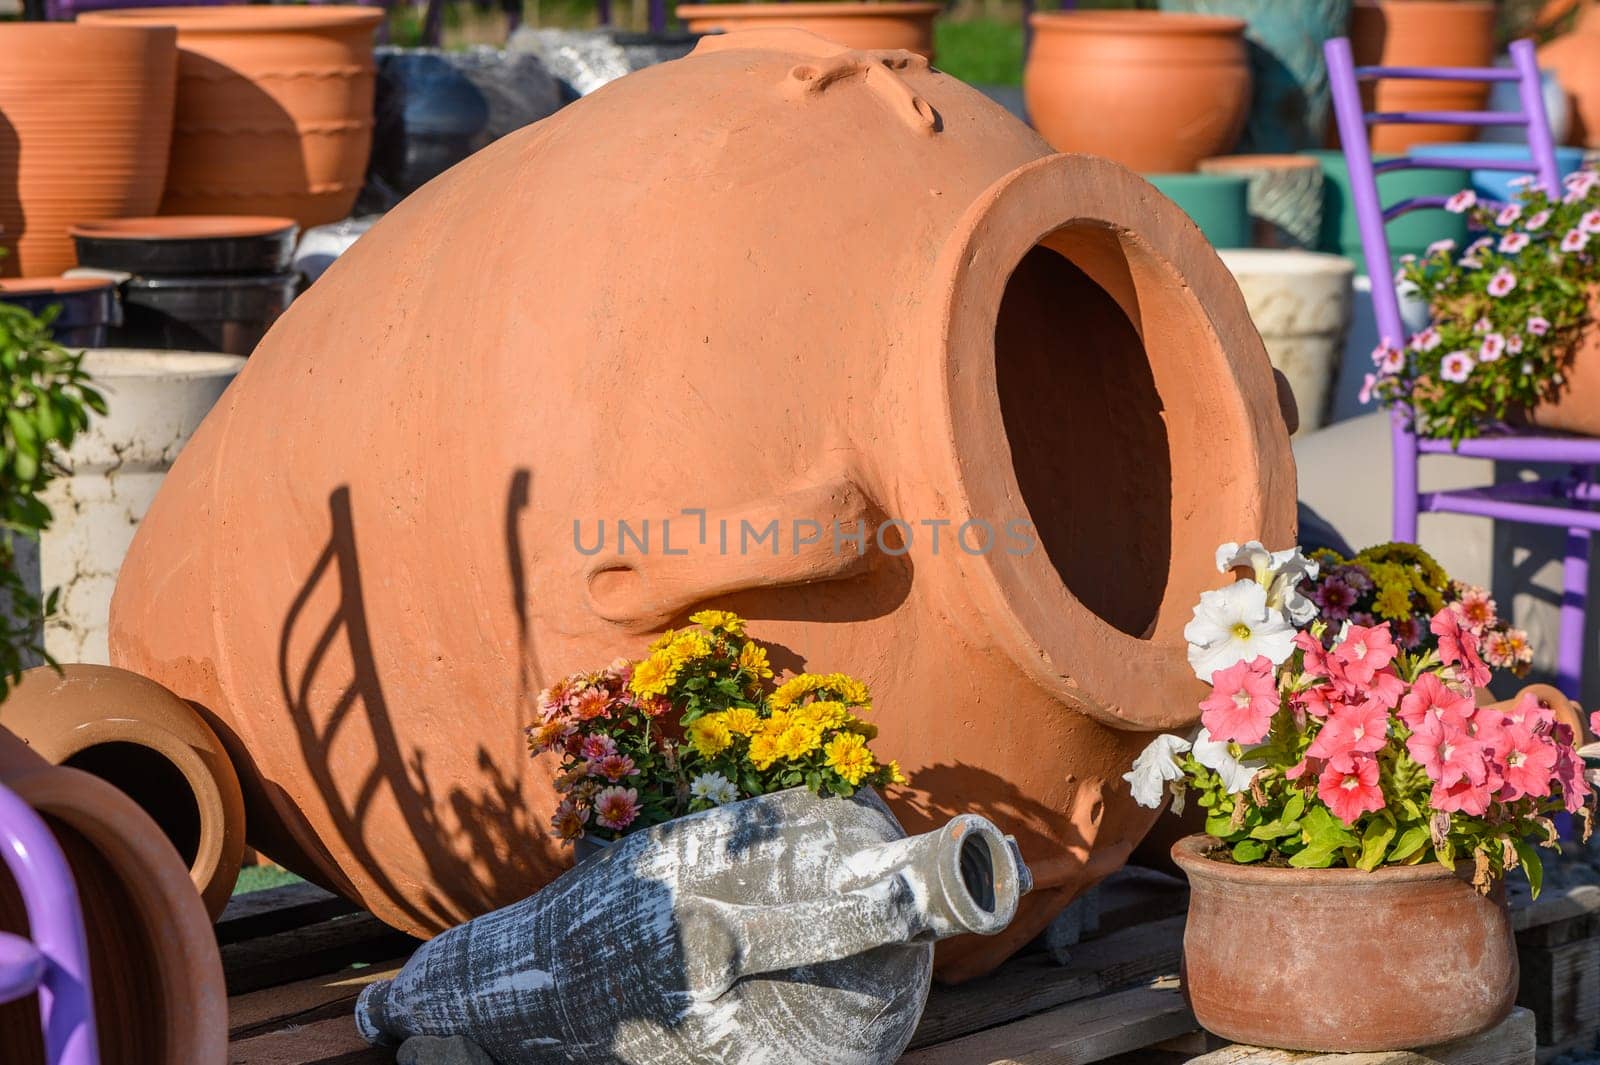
{"type": "Point", "coordinates": [1218, 203]}
{"type": "Point", "coordinates": [1496, 184]}
{"type": "Point", "coordinates": [1409, 234]}
{"type": "Point", "coordinates": [1289, 103]}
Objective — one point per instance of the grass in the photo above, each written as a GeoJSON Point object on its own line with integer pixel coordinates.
{"type": "Point", "coordinates": [261, 877]}
{"type": "Point", "coordinates": [979, 51]}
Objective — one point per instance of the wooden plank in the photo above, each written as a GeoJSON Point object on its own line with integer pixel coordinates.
{"type": "Point", "coordinates": [1509, 1043]}
{"type": "Point", "coordinates": [1557, 917]}
{"type": "Point", "coordinates": [1083, 1031]}
{"type": "Point", "coordinates": [1561, 985]}
{"type": "Point", "coordinates": [329, 1042]}
{"type": "Point", "coordinates": [324, 947]}
{"type": "Point", "coordinates": [1034, 983]}
{"type": "Point", "coordinates": [280, 909]}
{"type": "Point", "coordinates": [320, 997]}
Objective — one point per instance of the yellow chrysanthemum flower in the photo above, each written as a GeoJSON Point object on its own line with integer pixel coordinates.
{"type": "Point", "coordinates": [821, 715]}
{"type": "Point", "coordinates": [797, 741]}
{"type": "Point", "coordinates": [777, 722]}
{"type": "Point", "coordinates": [1393, 601]}
{"type": "Point", "coordinates": [796, 688]}
{"type": "Point", "coordinates": [895, 775]}
{"type": "Point", "coordinates": [654, 675]}
{"type": "Point", "coordinates": [709, 735]}
{"type": "Point", "coordinates": [753, 660]}
{"type": "Point", "coordinates": [848, 756]}
{"type": "Point", "coordinates": [664, 641]}
{"type": "Point", "coordinates": [741, 721]}
{"type": "Point", "coordinates": [687, 646]}
{"type": "Point", "coordinates": [763, 751]}
{"type": "Point", "coordinates": [851, 690]}
{"type": "Point", "coordinates": [719, 621]}
{"type": "Point", "coordinates": [865, 729]}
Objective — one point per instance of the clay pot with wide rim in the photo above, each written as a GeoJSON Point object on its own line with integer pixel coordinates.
{"type": "Point", "coordinates": [1575, 60]}
{"type": "Point", "coordinates": [942, 315]}
{"type": "Point", "coordinates": [1422, 33]}
{"type": "Point", "coordinates": [157, 977]}
{"type": "Point", "coordinates": [1575, 405]}
{"type": "Point", "coordinates": [155, 748]}
{"type": "Point", "coordinates": [892, 24]}
{"type": "Point", "coordinates": [85, 122]}
{"type": "Point", "coordinates": [1154, 91]}
{"type": "Point", "coordinates": [274, 107]}
{"type": "Point", "coordinates": [1343, 960]}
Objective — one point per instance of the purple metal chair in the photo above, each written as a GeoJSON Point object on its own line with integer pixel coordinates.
{"type": "Point", "coordinates": [55, 962]}
{"type": "Point", "coordinates": [1561, 502]}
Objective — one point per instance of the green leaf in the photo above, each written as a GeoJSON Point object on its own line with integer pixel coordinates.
{"type": "Point", "coordinates": [1294, 808]}
{"type": "Point", "coordinates": [1375, 842]}
{"type": "Point", "coordinates": [1249, 850]}
{"type": "Point", "coordinates": [1220, 825]}
{"type": "Point", "coordinates": [1411, 842]}
{"type": "Point", "coordinates": [1275, 829]}
{"type": "Point", "coordinates": [1532, 865]}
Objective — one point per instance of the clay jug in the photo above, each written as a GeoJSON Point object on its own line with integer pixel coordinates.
{"type": "Point", "coordinates": [152, 746]}
{"type": "Point", "coordinates": [1575, 59]}
{"type": "Point", "coordinates": [829, 892]}
{"type": "Point", "coordinates": [156, 974]}
{"type": "Point", "coordinates": [274, 108]}
{"type": "Point", "coordinates": [923, 315]}
{"type": "Point", "coordinates": [892, 24]}
{"type": "Point", "coordinates": [1422, 33]}
{"type": "Point", "coordinates": [85, 120]}
{"type": "Point", "coordinates": [1154, 90]}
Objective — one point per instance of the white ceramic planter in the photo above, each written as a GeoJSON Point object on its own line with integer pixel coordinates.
{"type": "Point", "coordinates": [155, 401]}
{"type": "Point", "coordinates": [1300, 303]}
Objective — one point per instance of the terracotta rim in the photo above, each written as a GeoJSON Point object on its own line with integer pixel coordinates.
{"type": "Point", "coordinates": [43, 286]}
{"type": "Point", "coordinates": [1145, 22]}
{"type": "Point", "coordinates": [242, 18]}
{"type": "Point", "coordinates": [1247, 163]}
{"type": "Point", "coordinates": [1190, 853]}
{"type": "Point", "coordinates": [819, 8]}
{"type": "Point", "coordinates": [183, 227]}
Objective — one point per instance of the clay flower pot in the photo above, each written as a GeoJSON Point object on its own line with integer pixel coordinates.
{"type": "Point", "coordinates": [1575, 59]}
{"type": "Point", "coordinates": [1341, 960]}
{"type": "Point", "coordinates": [85, 307]}
{"type": "Point", "coordinates": [370, 625]}
{"type": "Point", "coordinates": [154, 747]}
{"type": "Point", "coordinates": [274, 108]}
{"type": "Point", "coordinates": [1422, 33]}
{"type": "Point", "coordinates": [1575, 407]}
{"type": "Point", "coordinates": [1155, 91]}
{"type": "Point", "coordinates": [157, 978]}
{"type": "Point", "coordinates": [85, 121]}
{"type": "Point", "coordinates": [856, 25]}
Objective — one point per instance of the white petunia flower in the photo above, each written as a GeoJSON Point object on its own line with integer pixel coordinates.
{"type": "Point", "coordinates": [1279, 572]}
{"type": "Point", "coordinates": [1156, 764]}
{"type": "Point", "coordinates": [1235, 624]}
{"type": "Point", "coordinates": [1214, 755]}
{"type": "Point", "coordinates": [714, 787]}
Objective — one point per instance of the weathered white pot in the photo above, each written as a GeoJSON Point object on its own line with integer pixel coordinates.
{"type": "Point", "coordinates": [1300, 303]}
{"type": "Point", "coordinates": [155, 400]}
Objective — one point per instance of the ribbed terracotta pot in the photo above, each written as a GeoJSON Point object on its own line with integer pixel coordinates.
{"type": "Point", "coordinates": [85, 121]}
{"type": "Point", "coordinates": [1341, 960]}
{"type": "Point", "coordinates": [857, 25]}
{"type": "Point", "coordinates": [1422, 33]}
{"type": "Point", "coordinates": [1575, 59]}
{"type": "Point", "coordinates": [370, 624]}
{"type": "Point", "coordinates": [274, 107]}
{"type": "Point", "coordinates": [157, 977]}
{"type": "Point", "coordinates": [154, 747]}
{"type": "Point", "coordinates": [1155, 91]}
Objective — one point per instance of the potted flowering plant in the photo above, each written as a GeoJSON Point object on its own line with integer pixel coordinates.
{"type": "Point", "coordinates": [1361, 812]}
{"type": "Point", "coordinates": [695, 724]}
{"type": "Point", "coordinates": [1512, 318]}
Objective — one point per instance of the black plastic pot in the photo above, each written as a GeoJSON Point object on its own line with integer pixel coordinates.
{"type": "Point", "coordinates": [87, 306]}
{"type": "Point", "coordinates": [227, 314]}
{"type": "Point", "coordinates": [188, 245]}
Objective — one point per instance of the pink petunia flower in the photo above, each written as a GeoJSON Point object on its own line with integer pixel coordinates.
{"type": "Point", "coordinates": [1508, 214]}
{"type": "Point", "coordinates": [1529, 711]}
{"type": "Point", "coordinates": [1349, 732]}
{"type": "Point", "coordinates": [1387, 357]}
{"type": "Point", "coordinates": [1431, 700]}
{"type": "Point", "coordinates": [1527, 762]}
{"type": "Point", "coordinates": [1368, 383]}
{"type": "Point", "coordinates": [1514, 343]}
{"type": "Point", "coordinates": [1574, 240]}
{"type": "Point", "coordinates": [1243, 699]}
{"type": "Point", "coordinates": [1447, 753]}
{"type": "Point", "coordinates": [1581, 181]}
{"type": "Point", "coordinates": [1538, 326]}
{"type": "Point", "coordinates": [1458, 646]}
{"type": "Point", "coordinates": [1457, 367]}
{"type": "Point", "coordinates": [1426, 339]}
{"type": "Point", "coordinates": [1493, 346]}
{"type": "Point", "coordinates": [1461, 202]}
{"type": "Point", "coordinates": [1590, 222]}
{"type": "Point", "coordinates": [616, 808]}
{"type": "Point", "coordinates": [1363, 652]}
{"type": "Point", "coordinates": [615, 767]}
{"type": "Point", "coordinates": [1570, 775]}
{"type": "Point", "coordinates": [1502, 283]}
{"type": "Point", "coordinates": [1441, 247]}
{"type": "Point", "coordinates": [1482, 326]}
{"type": "Point", "coordinates": [1537, 221]}
{"type": "Point", "coordinates": [1351, 792]}
{"type": "Point", "coordinates": [1512, 243]}
{"type": "Point", "coordinates": [1463, 797]}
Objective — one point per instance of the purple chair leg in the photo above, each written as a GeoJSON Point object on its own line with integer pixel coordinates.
{"type": "Point", "coordinates": [1405, 476]}
{"type": "Point", "coordinates": [50, 897]}
{"type": "Point", "coordinates": [1574, 611]}
{"type": "Point", "coordinates": [658, 16]}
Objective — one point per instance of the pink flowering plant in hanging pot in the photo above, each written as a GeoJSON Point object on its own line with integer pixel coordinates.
{"type": "Point", "coordinates": [1333, 744]}
{"type": "Point", "coordinates": [1509, 312]}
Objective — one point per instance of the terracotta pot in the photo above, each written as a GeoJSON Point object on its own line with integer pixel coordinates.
{"type": "Point", "coordinates": [1422, 33]}
{"type": "Point", "coordinates": [371, 624]}
{"type": "Point", "coordinates": [156, 749]}
{"type": "Point", "coordinates": [1341, 960]}
{"type": "Point", "coordinates": [157, 976]}
{"type": "Point", "coordinates": [1575, 59]}
{"type": "Point", "coordinates": [855, 25]}
{"type": "Point", "coordinates": [85, 120]}
{"type": "Point", "coordinates": [84, 308]}
{"type": "Point", "coordinates": [274, 110]}
{"type": "Point", "coordinates": [1153, 90]}
{"type": "Point", "coordinates": [1576, 406]}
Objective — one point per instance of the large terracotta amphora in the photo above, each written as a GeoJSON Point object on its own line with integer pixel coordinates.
{"type": "Point", "coordinates": [1422, 33]}
{"type": "Point", "coordinates": [781, 928]}
{"type": "Point", "coordinates": [1575, 59]}
{"type": "Point", "coordinates": [857, 354]}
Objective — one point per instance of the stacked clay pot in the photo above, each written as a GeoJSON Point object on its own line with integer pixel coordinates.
{"type": "Point", "coordinates": [274, 107]}
{"type": "Point", "coordinates": [905, 24]}
{"type": "Point", "coordinates": [1155, 91]}
{"type": "Point", "coordinates": [155, 971]}
{"type": "Point", "coordinates": [1422, 33]}
{"type": "Point", "coordinates": [85, 120]}
{"type": "Point", "coordinates": [903, 305]}
{"type": "Point", "coordinates": [1575, 59]}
